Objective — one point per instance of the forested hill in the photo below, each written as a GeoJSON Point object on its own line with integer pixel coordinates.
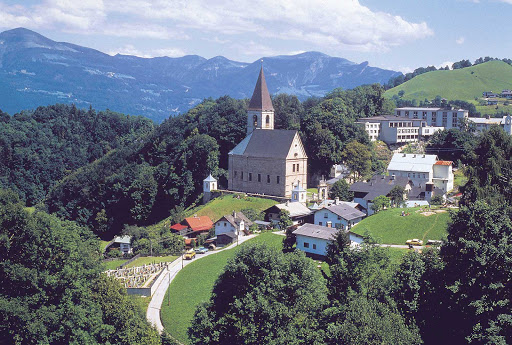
{"type": "Point", "coordinates": [143, 182]}
{"type": "Point", "coordinates": [40, 147]}
{"type": "Point", "coordinates": [35, 70]}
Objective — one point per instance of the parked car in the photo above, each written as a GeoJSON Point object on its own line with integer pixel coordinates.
{"type": "Point", "coordinates": [414, 242]}
{"type": "Point", "coordinates": [190, 254]}
{"type": "Point", "coordinates": [201, 250]}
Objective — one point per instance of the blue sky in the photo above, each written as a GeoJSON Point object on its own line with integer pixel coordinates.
{"type": "Point", "coordinates": [394, 34]}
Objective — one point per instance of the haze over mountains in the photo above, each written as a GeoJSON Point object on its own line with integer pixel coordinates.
{"type": "Point", "coordinates": [35, 70]}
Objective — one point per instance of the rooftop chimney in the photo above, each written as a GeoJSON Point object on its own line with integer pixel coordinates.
{"type": "Point", "coordinates": [393, 177]}
{"type": "Point", "coordinates": [336, 201]}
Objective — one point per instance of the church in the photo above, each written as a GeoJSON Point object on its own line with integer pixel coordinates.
{"type": "Point", "coordinates": [268, 161]}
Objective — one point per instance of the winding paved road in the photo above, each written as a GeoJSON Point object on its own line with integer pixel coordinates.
{"type": "Point", "coordinates": [153, 312]}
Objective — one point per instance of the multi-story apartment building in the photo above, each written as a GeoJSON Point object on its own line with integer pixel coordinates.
{"type": "Point", "coordinates": [436, 117]}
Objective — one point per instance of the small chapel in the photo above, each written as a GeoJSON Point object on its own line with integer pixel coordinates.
{"type": "Point", "coordinates": [268, 161]}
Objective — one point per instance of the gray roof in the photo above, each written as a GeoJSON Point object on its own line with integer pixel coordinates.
{"type": "Point", "coordinates": [412, 162]}
{"type": "Point", "coordinates": [378, 185]}
{"type": "Point", "coordinates": [345, 211]}
{"type": "Point", "coordinates": [122, 239]}
{"type": "Point", "coordinates": [228, 234]}
{"type": "Point", "coordinates": [266, 143]}
{"type": "Point", "coordinates": [316, 231]}
{"type": "Point", "coordinates": [234, 220]}
{"type": "Point", "coordinates": [296, 209]}
{"type": "Point", "coordinates": [210, 178]}
{"type": "Point", "coordinates": [418, 192]}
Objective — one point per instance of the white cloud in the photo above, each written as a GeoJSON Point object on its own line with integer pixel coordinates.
{"type": "Point", "coordinates": [328, 24]}
{"type": "Point", "coordinates": [506, 1]}
{"type": "Point", "coordinates": [170, 52]}
{"type": "Point", "coordinates": [129, 49]}
{"type": "Point", "coordinates": [460, 40]}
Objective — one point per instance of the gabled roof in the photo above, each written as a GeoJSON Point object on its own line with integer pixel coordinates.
{"type": "Point", "coordinates": [122, 239]}
{"type": "Point", "coordinates": [319, 231]}
{"type": "Point", "coordinates": [178, 227]}
{"type": "Point", "coordinates": [412, 162]}
{"type": "Point", "coordinates": [448, 163]}
{"type": "Point", "coordinates": [199, 223]}
{"type": "Point", "coordinates": [266, 143]}
{"type": "Point", "coordinates": [296, 209]}
{"type": "Point", "coordinates": [235, 219]}
{"type": "Point", "coordinates": [261, 98]}
{"type": "Point", "coordinates": [378, 185]}
{"type": "Point", "coordinates": [345, 211]}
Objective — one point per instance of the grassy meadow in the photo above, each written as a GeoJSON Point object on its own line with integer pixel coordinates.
{"type": "Point", "coordinates": [464, 84]}
{"type": "Point", "coordinates": [390, 227]}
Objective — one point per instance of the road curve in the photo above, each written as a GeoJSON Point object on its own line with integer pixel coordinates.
{"type": "Point", "coordinates": [153, 312]}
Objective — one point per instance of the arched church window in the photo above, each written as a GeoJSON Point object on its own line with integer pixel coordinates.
{"type": "Point", "coordinates": [255, 120]}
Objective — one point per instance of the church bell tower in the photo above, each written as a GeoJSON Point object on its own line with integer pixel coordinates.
{"type": "Point", "coordinates": [260, 113]}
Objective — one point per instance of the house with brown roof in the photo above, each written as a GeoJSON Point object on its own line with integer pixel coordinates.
{"type": "Point", "coordinates": [267, 161]}
{"type": "Point", "coordinates": [193, 226]}
{"type": "Point", "coordinates": [236, 223]}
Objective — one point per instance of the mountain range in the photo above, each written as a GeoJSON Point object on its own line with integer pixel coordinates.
{"type": "Point", "coordinates": [35, 70]}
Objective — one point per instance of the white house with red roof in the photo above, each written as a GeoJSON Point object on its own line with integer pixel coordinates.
{"type": "Point", "coordinates": [193, 226]}
{"type": "Point", "coordinates": [420, 169]}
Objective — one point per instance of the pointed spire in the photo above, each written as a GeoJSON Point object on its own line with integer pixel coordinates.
{"type": "Point", "coordinates": [261, 98]}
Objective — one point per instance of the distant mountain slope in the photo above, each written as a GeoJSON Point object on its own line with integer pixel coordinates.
{"type": "Point", "coordinates": [35, 70]}
{"type": "Point", "coordinates": [463, 84]}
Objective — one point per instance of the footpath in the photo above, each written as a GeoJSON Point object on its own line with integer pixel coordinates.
{"type": "Point", "coordinates": [153, 312]}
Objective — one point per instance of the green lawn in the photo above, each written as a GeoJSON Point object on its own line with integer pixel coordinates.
{"type": "Point", "coordinates": [219, 207]}
{"type": "Point", "coordinates": [150, 260]}
{"type": "Point", "coordinates": [112, 265]}
{"type": "Point", "coordinates": [459, 179]}
{"type": "Point", "coordinates": [390, 227]}
{"type": "Point", "coordinates": [193, 285]}
{"type": "Point", "coordinates": [463, 84]}
{"type": "Point", "coordinates": [103, 244]}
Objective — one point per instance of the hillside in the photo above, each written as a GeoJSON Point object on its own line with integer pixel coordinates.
{"type": "Point", "coordinates": [463, 84]}
{"type": "Point", "coordinates": [35, 70]}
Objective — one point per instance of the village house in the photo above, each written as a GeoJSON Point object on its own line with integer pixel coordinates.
{"type": "Point", "coordinates": [298, 212]}
{"type": "Point", "coordinates": [236, 223]}
{"type": "Point", "coordinates": [266, 161]}
{"type": "Point", "coordinates": [485, 123]}
{"type": "Point", "coordinates": [339, 216]}
{"type": "Point", "coordinates": [313, 239]}
{"type": "Point", "coordinates": [193, 226]}
{"type": "Point", "coordinates": [366, 192]}
{"type": "Point", "coordinates": [420, 169]}
{"type": "Point", "coordinates": [123, 243]}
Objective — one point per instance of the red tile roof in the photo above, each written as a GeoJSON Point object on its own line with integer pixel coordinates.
{"type": "Point", "coordinates": [199, 223]}
{"type": "Point", "coordinates": [261, 98]}
{"type": "Point", "coordinates": [444, 163]}
{"type": "Point", "coordinates": [178, 227]}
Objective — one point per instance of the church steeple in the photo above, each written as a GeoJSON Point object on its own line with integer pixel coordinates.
{"type": "Point", "coordinates": [261, 110]}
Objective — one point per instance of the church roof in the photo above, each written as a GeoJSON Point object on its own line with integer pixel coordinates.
{"type": "Point", "coordinates": [261, 98]}
{"type": "Point", "coordinates": [266, 143]}
{"type": "Point", "coordinates": [210, 178]}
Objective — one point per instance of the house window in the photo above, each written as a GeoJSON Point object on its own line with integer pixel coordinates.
{"type": "Point", "coordinates": [268, 178]}
{"type": "Point", "coordinates": [235, 173]}
{"type": "Point", "coordinates": [267, 120]}
{"type": "Point", "coordinates": [319, 223]}
{"type": "Point", "coordinates": [255, 120]}
{"type": "Point", "coordinates": [314, 246]}
{"type": "Point", "coordinates": [339, 217]}
{"type": "Point", "coordinates": [250, 176]}
{"type": "Point", "coordinates": [297, 168]}
{"type": "Point", "coordinates": [259, 177]}
{"type": "Point", "coordinates": [293, 167]}
{"type": "Point", "coordinates": [326, 215]}
{"type": "Point", "coordinates": [306, 245]}
{"type": "Point", "coordinates": [225, 224]}
{"type": "Point", "coordinates": [277, 179]}
{"type": "Point", "coordinates": [241, 175]}
{"type": "Point", "coordinates": [407, 113]}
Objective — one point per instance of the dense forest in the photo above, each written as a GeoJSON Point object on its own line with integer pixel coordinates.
{"type": "Point", "coordinates": [142, 181]}
{"type": "Point", "coordinates": [40, 147]}
{"type": "Point", "coordinates": [459, 293]}
{"type": "Point", "coordinates": [52, 289]}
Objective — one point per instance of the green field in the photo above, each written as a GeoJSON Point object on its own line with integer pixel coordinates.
{"type": "Point", "coordinates": [112, 265]}
{"type": "Point", "coordinates": [459, 179]}
{"type": "Point", "coordinates": [103, 244]}
{"type": "Point", "coordinates": [150, 260]}
{"type": "Point", "coordinates": [463, 84]}
{"type": "Point", "coordinates": [390, 227]}
{"type": "Point", "coordinates": [194, 284]}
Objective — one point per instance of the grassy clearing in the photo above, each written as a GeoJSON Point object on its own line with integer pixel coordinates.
{"type": "Point", "coordinates": [150, 260]}
{"type": "Point", "coordinates": [103, 244]}
{"type": "Point", "coordinates": [112, 265]}
{"type": "Point", "coordinates": [219, 207]}
{"type": "Point", "coordinates": [464, 84]}
{"type": "Point", "coordinates": [390, 227]}
{"type": "Point", "coordinates": [459, 179]}
{"type": "Point", "coordinates": [193, 285]}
